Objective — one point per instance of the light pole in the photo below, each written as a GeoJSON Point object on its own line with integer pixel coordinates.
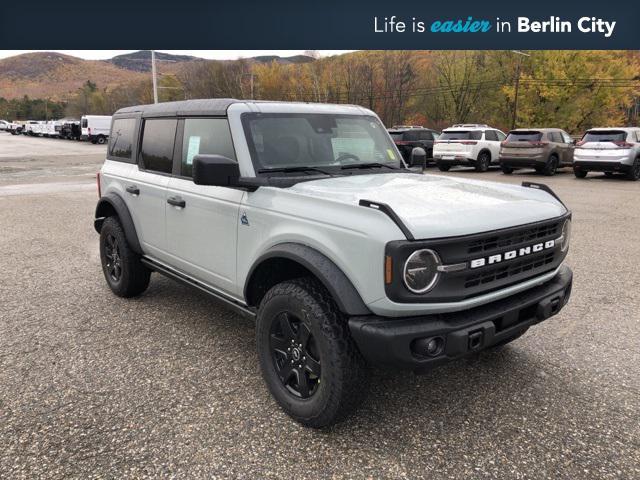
{"type": "Point", "coordinates": [515, 98]}
{"type": "Point", "coordinates": [154, 76]}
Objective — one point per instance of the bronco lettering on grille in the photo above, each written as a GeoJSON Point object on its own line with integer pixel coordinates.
{"type": "Point", "coordinates": [511, 254]}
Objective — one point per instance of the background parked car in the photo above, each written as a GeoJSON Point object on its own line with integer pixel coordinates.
{"type": "Point", "coordinates": [4, 125]}
{"type": "Point", "coordinates": [475, 145]}
{"type": "Point", "coordinates": [95, 128]}
{"type": "Point", "coordinates": [407, 138]}
{"type": "Point", "coordinates": [544, 149]}
{"type": "Point", "coordinates": [608, 150]}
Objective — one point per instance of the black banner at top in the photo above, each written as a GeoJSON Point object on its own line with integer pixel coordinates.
{"type": "Point", "coordinates": [328, 24]}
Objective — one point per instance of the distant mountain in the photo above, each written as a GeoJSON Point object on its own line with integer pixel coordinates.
{"type": "Point", "coordinates": [54, 75]}
{"type": "Point", "coordinates": [140, 61]}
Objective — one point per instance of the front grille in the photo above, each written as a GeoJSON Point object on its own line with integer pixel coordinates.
{"type": "Point", "coordinates": [528, 235]}
{"type": "Point", "coordinates": [468, 283]}
{"type": "Point", "coordinates": [509, 270]}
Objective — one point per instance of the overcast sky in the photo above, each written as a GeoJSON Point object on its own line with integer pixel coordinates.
{"type": "Point", "coordinates": [212, 54]}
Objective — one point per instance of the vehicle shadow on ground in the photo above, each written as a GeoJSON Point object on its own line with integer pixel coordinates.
{"type": "Point", "coordinates": [475, 393]}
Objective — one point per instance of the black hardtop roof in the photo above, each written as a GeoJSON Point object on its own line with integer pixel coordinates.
{"type": "Point", "coordinates": [208, 107]}
{"type": "Point", "coordinates": [214, 106]}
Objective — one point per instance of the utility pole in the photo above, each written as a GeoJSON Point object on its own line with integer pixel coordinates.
{"type": "Point", "coordinates": [515, 98]}
{"type": "Point", "coordinates": [251, 77]}
{"type": "Point", "coordinates": [154, 75]}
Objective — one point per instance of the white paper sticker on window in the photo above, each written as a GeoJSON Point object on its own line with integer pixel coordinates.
{"type": "Point", "coordinates": [194, 149]}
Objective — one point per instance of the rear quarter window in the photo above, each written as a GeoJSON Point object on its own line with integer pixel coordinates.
{"type": "Point", "coordinates": [121, 139]}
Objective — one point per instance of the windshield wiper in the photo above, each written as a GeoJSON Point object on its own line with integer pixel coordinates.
{"type": "Point", "coordinates": [294, 169]}
{"type": "Point", "coordinates": [368, 165]}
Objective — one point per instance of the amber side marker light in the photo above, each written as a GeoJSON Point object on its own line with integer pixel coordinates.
{"type": "Point", "coordinates": [388, 276]}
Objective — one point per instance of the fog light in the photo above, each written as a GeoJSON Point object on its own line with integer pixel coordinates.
{"type": "Point", "coordinates": [429, 347]}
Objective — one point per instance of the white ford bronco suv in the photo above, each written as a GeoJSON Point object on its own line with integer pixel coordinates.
{"type": "Point", "coordinates": [305, 218]}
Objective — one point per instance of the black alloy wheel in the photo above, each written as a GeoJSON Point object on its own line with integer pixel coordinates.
{"type": "Point", "coordinates": [295, 355]}
{"type": "Point", "coordinates": [113, 259]}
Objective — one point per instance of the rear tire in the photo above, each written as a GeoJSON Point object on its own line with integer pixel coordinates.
{"type": "Point", "coordinates": [444, 168]}
{"type": "Point", "coordinates": [551, 166]}
{"type": "Point", "coordinates": [308, 359]}
{"type": "Point", "coordinates": [101, 140]}
{"type": "Point", "coordinates": [580, 173]}
{"type": "Point", "coordinates": [608, 174]}
{"type": "Point", "coordinates": [124, 272]}
{"type": "Point", "coordinates": [506, 170]}
{"type": "Point", "coordinates": [634, 172]}
{"type": "Point", "coordinates": [483, 161]}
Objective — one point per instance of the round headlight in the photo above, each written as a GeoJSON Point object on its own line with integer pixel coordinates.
{"type": "Point", "coordinates": [566, 235]}
{"type": "Point", "coordinates": [421, 271]}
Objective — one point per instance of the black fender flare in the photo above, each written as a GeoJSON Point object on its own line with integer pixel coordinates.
{"type": "Point", "coordinates": [328, 273]}
{"type": "Point", "coordinates": [112, 202]}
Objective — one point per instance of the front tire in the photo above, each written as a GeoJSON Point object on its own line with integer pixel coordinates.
{"type": "Point", "coordinates": [444, 168]}
{"type": "Point", "coordinates": [506, 170]}
{"type": "Point", "coordinates": [124, 272]}
{"type": "Point", "coordinates": [551, 166]}
{"type": "Point", "coordinates": [308, 359]}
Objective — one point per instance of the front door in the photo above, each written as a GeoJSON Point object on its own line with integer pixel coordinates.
{"type": "Point", "coordinates": [202, 221]}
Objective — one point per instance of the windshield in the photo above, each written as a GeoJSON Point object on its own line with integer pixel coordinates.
{"type": "Point", "coordinates": [524, 136]}
{"type": "Point", "coordinates": [293, 141]}
{"type": "Point", "coordinates": [461, 135]}
{"type": "Point", "coordinates": [605, 136]}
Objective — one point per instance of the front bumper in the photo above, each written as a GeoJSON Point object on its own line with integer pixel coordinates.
{"type": "Point", "coordinates": [391, 342]}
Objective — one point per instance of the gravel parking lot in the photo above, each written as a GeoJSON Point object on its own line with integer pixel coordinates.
{"type": "Point", "coordinates": [167, 385]}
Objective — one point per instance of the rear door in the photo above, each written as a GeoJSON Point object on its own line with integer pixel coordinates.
{"type": "Point", "coordinates": [567, 147]}
{"type": "Point", "coordinates": [493, 143]}
{"type": "Point", "coordinates": [147, 190]}
{"type": "Point", "coordinates": [202, 233]}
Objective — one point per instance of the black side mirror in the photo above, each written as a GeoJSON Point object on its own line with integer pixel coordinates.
{"type": "Point", "coordinates": [215, 170]}
{"type": "Point", "coordinates": [419, 158]}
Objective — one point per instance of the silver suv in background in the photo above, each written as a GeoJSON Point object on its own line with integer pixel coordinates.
{"type": "Point", "coordinates": [609, 150]}
{"type": "Point", "coordinates": [544, 149]}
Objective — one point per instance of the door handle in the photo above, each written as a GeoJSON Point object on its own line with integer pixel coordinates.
{"type": "Point", "coordinates": [133, 190]}
{"type": "Point", "coordinates": [176, 202]}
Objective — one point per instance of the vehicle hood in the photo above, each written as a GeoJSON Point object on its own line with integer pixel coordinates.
{"type": "Point", "coordinates": [434, 206]}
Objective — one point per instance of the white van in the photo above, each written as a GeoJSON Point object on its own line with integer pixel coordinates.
{"type": "Point", "coordinates": [95, 128]}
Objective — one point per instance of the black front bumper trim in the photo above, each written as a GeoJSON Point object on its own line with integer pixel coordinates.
{"type": "Point", "coordinates": [387, 341]}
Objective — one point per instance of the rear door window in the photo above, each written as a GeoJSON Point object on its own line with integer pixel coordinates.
{"type": "Point", "coordinates": [206, 136]}
{"type": "Point", "coordinates": [158, 139]}
{"type": "Point", "coordinates": [491, 135]}
{"type": "Point", "coordinates": [121, 138]}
